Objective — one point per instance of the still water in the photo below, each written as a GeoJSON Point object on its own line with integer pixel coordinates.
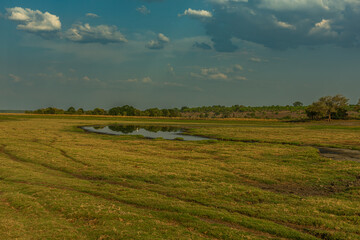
{"type": "Point", "coordinates": [165, 132]}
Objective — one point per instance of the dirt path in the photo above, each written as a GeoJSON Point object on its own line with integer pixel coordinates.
{"type": "Point", "coordinates": [340, 154]}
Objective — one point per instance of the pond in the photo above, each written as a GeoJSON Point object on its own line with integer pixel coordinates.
{"type": "Point", "coordinates": [165, 132]}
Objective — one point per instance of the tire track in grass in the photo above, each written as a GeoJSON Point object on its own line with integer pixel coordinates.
{"type": "Point", "coordinates": [125, 202]}
{"type": "Point", "coordinates": [110, 197]}
{"type": "Point", "coordinates": [17, 159]}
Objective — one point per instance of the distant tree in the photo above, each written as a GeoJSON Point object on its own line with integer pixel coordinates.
{"type": "Point", "coordinates": [316, 111]}
{"type": "Point", "coordinates": [184, 109]}
{"type": "Point", "coordinates": [50, 110]}
{"type": "Point", "coordinates": [357, 106]}
{"type": "Point", "coordinates": [174, 112]}
{"type": "Point", "coordinates": [71, 110]}
{"type": "Point", "coordinates": [124, 111]}
{"type": "Point", "coordinates": [99, 111]}
{"type": "Point", "coordinates": [115, 111]}
{"type": "Point", "coordinates": [330, 107]}
{"type": "Point", "coordinates": [153, 112]}
{"type": "Point", "coordinates": [165, 112]}
{"type": "Point", "coordinates": [80, 111]}
{"type": "Point", "coordinates": [298, 104]}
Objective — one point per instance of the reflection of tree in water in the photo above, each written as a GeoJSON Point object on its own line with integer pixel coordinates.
{"type": "Point", "coordinates": [161, 128]}
{"type": "Point", "coordinates": [99, 127]}
{"type": "Point", "coordinates": [123, 128]}
{"type": "Point", "coordinates": [132, 128]}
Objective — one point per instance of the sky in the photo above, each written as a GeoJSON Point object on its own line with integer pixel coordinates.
{"type": "Point", "coordinates": [171, 53]}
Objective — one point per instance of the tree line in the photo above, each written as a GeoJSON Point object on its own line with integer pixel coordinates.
{"type": "Point", "coordinates": [329, 107]}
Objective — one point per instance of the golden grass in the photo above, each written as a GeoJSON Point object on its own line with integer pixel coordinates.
{"type": "Point", "coordinates": [58, 182]}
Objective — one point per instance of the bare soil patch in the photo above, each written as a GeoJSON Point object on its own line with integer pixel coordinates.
{"type": "Point", "coordinates": [340, 154]}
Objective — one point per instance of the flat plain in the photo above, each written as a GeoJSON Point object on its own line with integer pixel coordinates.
{"type": "Point", "coordinates": [258, 180]}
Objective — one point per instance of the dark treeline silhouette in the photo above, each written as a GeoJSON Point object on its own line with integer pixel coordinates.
{"type": "Point", "coordinates": [116, 111]}
{"type": "Point", "coordinates": [328, 107]}
{"type": "Point", "coordinates": [134, 128]}
{"type": "Point", "coordinates": [216, 110]}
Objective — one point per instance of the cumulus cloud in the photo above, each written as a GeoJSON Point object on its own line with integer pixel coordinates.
{"type": "Point", "coordinates": [323, 28]}
{"type": "Point", "coordinates": [132, 80]}
{"type": "Point", "coordinates": [211, 74]}
{"type": "Point", "coordinates": [14, 78]}
{"type": "Point", "coordinates": [158, 43]}
{"type": "Point", "coordinates": [231, 73]}
{"type": "Point", "coordinates": [98, 34]}
{"type": "Point", "coordinates": [34, 21]}
{"type": "Point", "coordinates": [257, 60]}
{"type": "Point", "coordinates": [202, 45]}
{"type": "Point", "coordinates": [170, 70]}
{"type": "Point", "coordinates": [282, 24]}
{"type": "Point", "coordinates": [92, 15]}
{"type": "Point", "coordinates": [152, 1]}
{"type": "Point", "coordinates": [143, 10]}
{"type": "Point", "coordinates": [200, 14]}
{"type": "Point", "coordinates": [236, 68]}
{"type": "Point", "coordinates": [146, 80]}
{"type": "Point", "coordinates": [173, 84]}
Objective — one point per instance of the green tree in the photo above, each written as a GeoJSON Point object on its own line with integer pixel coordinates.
{"type": "Point", "coordinates": [80, 111]}
{"type": "Point", "coordinates": [71, 110]}
{"type": "Point", "coordinates": [99, 111]}
{"type": "Point", "coordinates": [329, 106]}
{"type": "Point", "coordinates": [316, 111]}
{"type": "Point", "coordinates": [298, 104]}
{"type": "Point", "coordinates": [154, 112]}
{"type": "Point", "coordinates": [357, 106]}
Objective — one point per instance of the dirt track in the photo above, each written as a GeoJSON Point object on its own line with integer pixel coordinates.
{"type": "Point", "coordinates": [340, 154]}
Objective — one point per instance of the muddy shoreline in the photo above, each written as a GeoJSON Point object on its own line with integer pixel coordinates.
{"type": "Point", "coordinates": [340, 154]}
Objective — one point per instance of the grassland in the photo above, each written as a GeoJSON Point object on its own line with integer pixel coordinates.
{"type": "Point", "coordinates": [58, 182]}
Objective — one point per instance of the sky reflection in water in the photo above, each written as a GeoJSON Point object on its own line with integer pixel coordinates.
{"type": "Point", "coordinates": [165, 132]}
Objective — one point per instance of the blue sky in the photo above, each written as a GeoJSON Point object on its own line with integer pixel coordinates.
{"type": "Point", "coordinates": [169, 53]}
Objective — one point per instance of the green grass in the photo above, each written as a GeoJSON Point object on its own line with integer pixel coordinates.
{"type": "Point", "coordinates": [59, 182]}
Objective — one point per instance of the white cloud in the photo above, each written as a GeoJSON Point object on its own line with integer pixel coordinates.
{"type": "Point", "coordinates": [240, 78]}
{"type": "Point", "coordinates": [92, 15]}
{"type": "Point", "coordinates": [196, 13]}
{"type": "Point", "coordinates": [213, 73]}
{"type": "Point", "coordinates": [98, 34]}
{"type": "Point", "coordinates": [132, 80]}
{"type": "Point", "coordinates": [323, 28]}
{"type": "Point", "coordinates": [222, 74]}
{"type": "Point", "coordinates": [143, 10]}
{"type": "Point", "coordinates": [14, 78]}
{"type": "Point", "coordinates": [163, 38]}
{"type": "Point", "coordinates": [308, 5]}
{"type": "Point", "coordinates": [283, 24]}
{"type": "Point", "coordinates": [173, 84]}
{"type": "Point", "coordinates": [258, 60]}
{"type": "Point", "coordinates": [34, 21]}
{"type": "Point", "coordinates": [210, 73]}
{"type": "Point", "coordinates": [285, 5]}
{"type": "Point", "coordinates": [238, 67]}
{"type": "Point", "coordinates": [147, 80]}
{"type": "Point", "coordinates": [226, 1]}
{"type": "Point", "coordinates": [159, 43]}
{"type": "Point", "coordinates": [170, 70]}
